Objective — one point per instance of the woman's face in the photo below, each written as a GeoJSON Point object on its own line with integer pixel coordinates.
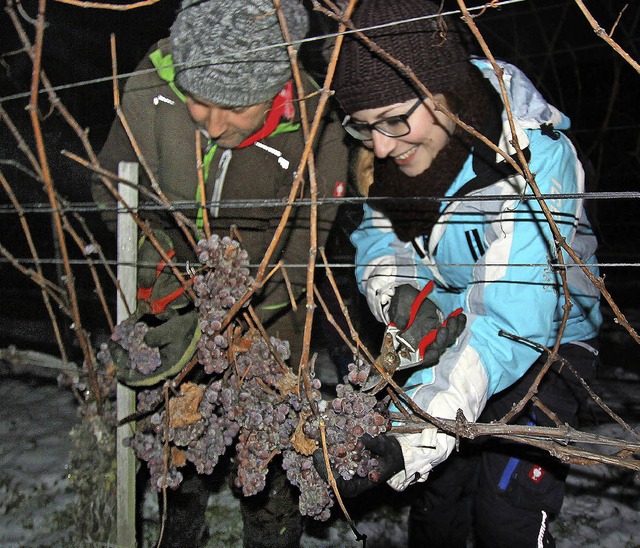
{"type": "Point", "coordinates": [414, 152]}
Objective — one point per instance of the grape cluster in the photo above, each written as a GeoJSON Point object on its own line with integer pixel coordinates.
{"type": "Point", "coordinates": [219, 432]}
{"type": "Point", "coordinates": [183, 436]}
{"type": "Point", "coordinates": [150, 449]}
{"type": "Point", "coordinates": [225, 280]}
{"type": "Point", "coordinates": [358, 372]}
{"type": "Point", "coordinates": [261, 408]}
{"type": "Point", "coordinates": [129, 334]}
{"type": "Point", "coordinates": [347, 418]}
{"type": "Point", "coordinates": [315, 495]}
{"type": "Point", "coordinates": [149, 399]}
{"type": "Point", "coordinates": [103, 356]}
{"type": "Point", "coordinates": [106, 382]}
{"type": "Point", "coordinates": [205, 452]}
{"type": "Point", "coordinates": [248, 399]}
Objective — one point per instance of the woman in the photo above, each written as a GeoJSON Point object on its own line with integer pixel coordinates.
{"type": "Point", "coordinates": [487, 250]}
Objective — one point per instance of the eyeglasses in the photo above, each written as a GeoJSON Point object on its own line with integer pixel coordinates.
{"type": "Point", "coordinates": [393, 126]}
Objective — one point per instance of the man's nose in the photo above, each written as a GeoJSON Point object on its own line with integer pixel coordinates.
{"type": "Point", "coordinates": [216, 122]}
{"type": "Point", "coordinates": [381, 144]}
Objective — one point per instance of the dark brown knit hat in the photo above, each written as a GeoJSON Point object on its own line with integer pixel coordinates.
{"type": "Point", "coordinates": [433, 48]}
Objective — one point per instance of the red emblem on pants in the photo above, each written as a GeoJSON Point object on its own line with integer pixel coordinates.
{"type": "Point", "coordinates": [340, 189]}
{"type": "Point", "coordinates": [536, 473]}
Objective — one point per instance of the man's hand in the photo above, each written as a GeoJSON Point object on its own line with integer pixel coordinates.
{"type": "Point", "coordinates": [384, 448]}
{"type": "Point", "coordinates": [172, 342]}
{"type": "Point", "coordinates": [167, 323]}
{"type": "Point", "coordinates": [422, 323]}
{"type": "Point", "coordinates": [158, 287]}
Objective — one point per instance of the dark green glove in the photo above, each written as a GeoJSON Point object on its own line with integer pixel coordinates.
{"type": "Point", "coordinates": [423, 324]}
{"type": "Point", "coordinates": [384, 448]}
{"type": "Point", "coordinates": [158, 286]}
{"type": "Point", "coordinates": [161, 336]}
{"type": "Point", "coordinates": [168, 346]}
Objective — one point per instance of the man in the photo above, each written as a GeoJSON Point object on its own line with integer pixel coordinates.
{"type": "Point", "coordinates": [224, 73]}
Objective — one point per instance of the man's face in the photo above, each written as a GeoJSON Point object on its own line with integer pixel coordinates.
{"type": "Point", "coordinates": [227, 126]}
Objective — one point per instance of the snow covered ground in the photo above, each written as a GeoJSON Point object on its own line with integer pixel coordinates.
{"type": "Point", "coordinates": [601, 508]}
{"type": "Point", "coordinates": [35, 420]}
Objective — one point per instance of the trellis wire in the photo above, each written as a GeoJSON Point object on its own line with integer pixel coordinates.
{"type": "Point", "coordinates": [90, 207]}
{"type": "Point", "coordinates": [236, 56]}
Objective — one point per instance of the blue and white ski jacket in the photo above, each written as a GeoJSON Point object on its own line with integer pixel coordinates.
{"type": "Point", "coordinates": [497, 260]}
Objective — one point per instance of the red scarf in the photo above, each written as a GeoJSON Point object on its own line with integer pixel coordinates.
{"type": "Point", "coordinates": [282, 106]}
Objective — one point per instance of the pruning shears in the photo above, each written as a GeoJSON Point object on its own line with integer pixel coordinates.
{"type": "Point", "coordinates": [397, 351]}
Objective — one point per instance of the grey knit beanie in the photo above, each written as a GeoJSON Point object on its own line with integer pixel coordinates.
{"type": "Point", "coordinates": [211, 43]}
{"type": "Point", "coordinates": [439, 60]}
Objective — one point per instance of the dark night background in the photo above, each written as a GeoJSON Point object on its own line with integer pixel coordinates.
{"type": "Point", "coordinates": [551, 41]}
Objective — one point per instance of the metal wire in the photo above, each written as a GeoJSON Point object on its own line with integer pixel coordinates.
{"type": "Point", "coordinates": [90, 207]}
{"type": "Point", "coordinates": [237, 56]}
{"type": "Point", "coordinates": [113, 262]}
{"type": "Point", "coordinates": [275, 203]}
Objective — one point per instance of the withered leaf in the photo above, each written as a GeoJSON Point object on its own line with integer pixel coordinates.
{"type": "Point", "coordinates": [301, 443]}
{"type": "Point", "coordinates": [178, 457]}
{"type": "Point", "coordinates": [183, 409]}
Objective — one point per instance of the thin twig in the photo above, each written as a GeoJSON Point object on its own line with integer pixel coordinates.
{"type": "Point", "coordinates": [601, 33]}
{"type": "Point", "coordinates": [267, 339]}
{"type": "Point", "coordinates": [201, 189]}
{"type": "Point", "coordinates": [36, 260]}
{"type": "Point", "coordinates": [114, 7]}
{"type": "Point", "coordinates": [585, 385]}
{"type": "Point", "coordinates": [287, 283]}
{"type": "Point", "coordinates": [333, 484]}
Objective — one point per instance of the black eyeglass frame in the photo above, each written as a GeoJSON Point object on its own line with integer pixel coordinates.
{"type": "Point", "coordinates": [353, 128]}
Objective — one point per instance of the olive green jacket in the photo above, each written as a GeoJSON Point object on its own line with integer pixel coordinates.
{"type": "Point", "coordinates": [166, 137]}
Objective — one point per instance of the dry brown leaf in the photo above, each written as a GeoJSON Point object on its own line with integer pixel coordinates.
{"type": "Point", "coordinates": [178, 457]}
{"type": "Point", "coordinates": [288, 383]}
{"type": "Point", "coordinates": [183, 409]}
{"type": "Point", "coordinates": [241, 345]}
{"type": "Point", "coordinates": [301, 443]}
{"type": "Point", "coordinates": [110, 370]}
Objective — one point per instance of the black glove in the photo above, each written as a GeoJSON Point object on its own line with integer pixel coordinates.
{"type": "Point", "coordinates": [423, 324]}
{"type": "Point", "coordinates": [174, 327]}
{"type": "Point", "coordinates": [386, 450]}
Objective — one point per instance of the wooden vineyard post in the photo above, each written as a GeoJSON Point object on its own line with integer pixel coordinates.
{"type": "Point", "coordinates": [126, 397]}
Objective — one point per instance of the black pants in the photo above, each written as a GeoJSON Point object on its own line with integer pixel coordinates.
{"type": "Point", "coordinates": [504, 493]}
{"type": "Point", "coordinates": [271, 519]}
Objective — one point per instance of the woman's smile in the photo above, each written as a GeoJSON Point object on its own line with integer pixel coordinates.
{"type": "Point", "coordinates": [429, 132]}
{"type": "Point", "coordinates": [405, 157]}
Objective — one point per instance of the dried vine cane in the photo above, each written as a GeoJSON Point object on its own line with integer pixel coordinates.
{"type": "Point", "coordinates": [566, 363]}
{"type": "Point", "coordinates": [263, 332]}
{"type": "Point", "coordinates": [324, 98]}
{"type": "Point", "coordinates": [177, 215]}
{"type": "Point", "coordinates": [34, 253]}
{"type": "Point", "coordinates": [82, 336]}
{"type": "Point", "coordinates": [287, 283]}
{"type": "Point", "coordinates": [114, 7]}
{"type": "Point", "coordinates": [334, 485]}
{"type": "Point", "coordinates": [345, 311]}
{"type": "Point", "coordinates": [201, 191]}
{"type": "Point", "coordinates": [607, 37]}
{"type": "Point", "coordinates": [165, 461]}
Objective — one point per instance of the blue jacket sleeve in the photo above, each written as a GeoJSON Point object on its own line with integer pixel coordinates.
{"type": "Point", "coordinates": [383, 262]}
{"type": "Point", "coordinates": [514, 287]}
